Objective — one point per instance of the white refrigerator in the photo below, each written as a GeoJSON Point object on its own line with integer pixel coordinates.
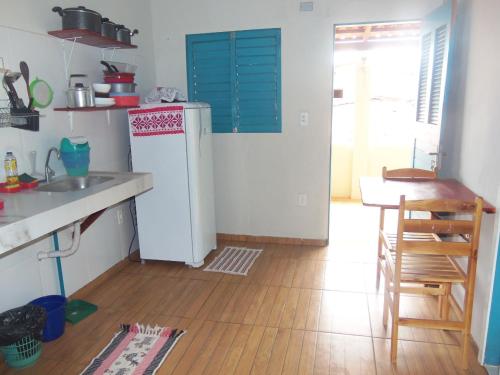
{"type": "Point", "coordinates": [176, 219]}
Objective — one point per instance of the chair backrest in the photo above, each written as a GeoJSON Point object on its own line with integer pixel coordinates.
{"type": "Point", "coordinates": [408, 174]}
{"type": "Point", "coordinates": [459, 229]}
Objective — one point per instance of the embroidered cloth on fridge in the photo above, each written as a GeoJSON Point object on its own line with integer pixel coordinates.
{"type": "Point", "coordinates": [156, 121]}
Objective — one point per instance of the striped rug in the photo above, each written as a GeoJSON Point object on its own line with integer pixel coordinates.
{"type": "Point", "coordinates": [234, 260]}
{"type": "Point", "coordinates": [135, 350]}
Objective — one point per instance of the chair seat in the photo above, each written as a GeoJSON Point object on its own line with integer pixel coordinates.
{"type": "Point", "coordinates": [427, 269]}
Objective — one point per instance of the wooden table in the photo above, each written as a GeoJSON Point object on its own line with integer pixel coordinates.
{"type": "Point", "coordinates": [383, 193]}
{"type": "Point", "coordinates": [377, 192]}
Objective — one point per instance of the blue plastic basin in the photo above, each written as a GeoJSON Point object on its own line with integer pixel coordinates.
{"type": "Point", "coordinates": [55, 306]}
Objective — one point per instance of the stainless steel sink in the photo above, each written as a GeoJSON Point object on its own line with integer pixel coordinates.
{"type": "Point", "coordinates": [67, 183]}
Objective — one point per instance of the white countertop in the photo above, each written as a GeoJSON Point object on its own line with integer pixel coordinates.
{"type": "Point", "coordinates": [31, 214]}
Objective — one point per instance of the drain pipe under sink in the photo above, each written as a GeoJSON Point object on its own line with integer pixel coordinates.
{"type": "Point", "coordinates": [67, 252]}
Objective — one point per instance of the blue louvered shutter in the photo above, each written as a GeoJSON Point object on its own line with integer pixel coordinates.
{"type": "Point", "coordinates": [209, 76]}
{"type": "Point", "coordinates": [423, 81]}
{"type": "Point", "coordinates": [436, 92]}
{"type": "Point", "coordinates": [257, 73]}
{"type": "Point", "coordinates": [239, 74]}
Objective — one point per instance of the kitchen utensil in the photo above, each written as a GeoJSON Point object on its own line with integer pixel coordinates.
{"type": "Point", "coordinates": [104, 102]}
{"type": "Point", "coordinates": [123, 67]}
{"type": "Point", "coordinates": [12, 100]}
{"type": "Point", "coordinates": [80, 18]}
{"type": "Point", "coordinates": [124, 100]}
{"type": "Point", "coordinates": [25, 71]}
{"type": "Point", "coordinates": [8, 79]}
{"type": "Point", "coordinates": [124, 34]}
{"type": "Point", "coordinates": [41, 93]}
{"type": "Point", "coordinates": [79, 95]}
{"type": "Point", "coordinates": [109, 28]}
{"type": "Point", "coordinates": [123, 87]}
{"type": "Point", "coordinates": [101, 88]}
{"type": "Point", "coordinates": [110, 68]}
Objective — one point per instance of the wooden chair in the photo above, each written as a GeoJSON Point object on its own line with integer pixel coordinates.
{"type": "Point", "coordinates": [408, 174]}
{"type": "Point", "coordinates": [413, 174]}
{"type": "Point", "coordinates": [416, 264]}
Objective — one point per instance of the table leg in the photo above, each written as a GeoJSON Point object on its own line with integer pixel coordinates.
{"type": "Point", "coordinates": [379, 250]}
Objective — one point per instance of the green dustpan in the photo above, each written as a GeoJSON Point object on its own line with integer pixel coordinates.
{"type": "Point", "coordinates": [77, 310]}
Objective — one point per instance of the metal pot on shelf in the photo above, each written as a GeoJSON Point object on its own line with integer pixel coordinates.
{"type": "Point", "coordinates": [124, 34]}
{"type": "Point", "coordinates": [79, 95]}
{"type": "Point", "coordinates": [123, 87]}
{"type": "Point", "coordinates": [79, 18]}
{"type": "Point", "coordinates": [109, 28]}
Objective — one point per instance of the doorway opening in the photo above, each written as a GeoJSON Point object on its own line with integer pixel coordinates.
{"type": "Point", "coordinates": [375, 86]}
{"type": "Point", "coordinates": [376, 72]}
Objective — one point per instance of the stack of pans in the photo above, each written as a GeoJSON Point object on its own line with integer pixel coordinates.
{"type": "Point", "coordinates": [82, 18]}
{"type": "Point", "coordinates": [122, 85]}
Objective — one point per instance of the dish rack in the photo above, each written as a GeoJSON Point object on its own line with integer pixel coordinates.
{"type": "Point", "coordinates": [28, 120]}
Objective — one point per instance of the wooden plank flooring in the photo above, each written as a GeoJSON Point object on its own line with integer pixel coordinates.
{"type": "Point", "coordinates": [301, 310]}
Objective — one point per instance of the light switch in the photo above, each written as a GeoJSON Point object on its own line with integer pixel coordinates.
{"type": "Point", "coordinates": [304, 118]}
{"type": "Point", "coordinates": [301, 199]}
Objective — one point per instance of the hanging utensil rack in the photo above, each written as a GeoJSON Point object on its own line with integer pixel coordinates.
{"type": "Point", "coordinates": [24, 121]}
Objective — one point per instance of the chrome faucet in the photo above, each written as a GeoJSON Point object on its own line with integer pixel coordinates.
{"type": "Point", "coordinates": [49, 172]}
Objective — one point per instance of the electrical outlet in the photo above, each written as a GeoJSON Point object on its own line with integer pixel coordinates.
{"type": "Point", "coordinates": [304, 118]}
{"type": "Point", "coordinates": [302, 200]}
{"type": "Point", "coordinates": [119, 216]}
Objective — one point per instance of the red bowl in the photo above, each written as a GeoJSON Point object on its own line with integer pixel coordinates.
{"type": "Point", "coordinates": [121, 74]}
{"type": "Point", "coordinates": [118, 77]}
{"type": "Point", "coordinates": [118, 80]}
{"type": "Point", "coordinates": [127, 101]}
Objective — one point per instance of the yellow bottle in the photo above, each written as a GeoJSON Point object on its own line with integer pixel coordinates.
{"type": "Point", "coordinates": [10, 165]}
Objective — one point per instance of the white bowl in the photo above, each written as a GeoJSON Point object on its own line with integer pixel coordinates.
{"type": "Point", "coordinates": [104, 102]}
{"type": "Point", "coordinates": [101, 88]}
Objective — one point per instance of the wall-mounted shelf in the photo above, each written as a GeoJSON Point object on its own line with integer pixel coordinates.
{"type": "Point", "coordinates": [90, 38]}
{"type": "Point", "coordinates": [91, 109]}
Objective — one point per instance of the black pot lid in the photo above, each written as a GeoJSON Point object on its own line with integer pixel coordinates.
{"type": "Point", "coordinates": [108, 21]}
{"type": "Point", "coordinates": [83, 10]}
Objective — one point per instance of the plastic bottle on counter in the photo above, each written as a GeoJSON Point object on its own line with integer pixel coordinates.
{"type": "Point", "coordinates": [10, 165]}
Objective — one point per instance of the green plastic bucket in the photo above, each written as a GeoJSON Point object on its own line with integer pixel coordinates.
{"type": "Point", "coordinates": [75, 154]}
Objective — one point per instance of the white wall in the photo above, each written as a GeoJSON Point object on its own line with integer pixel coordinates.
{"type": "Point", "coordinates": [258, 176]}
{"type": "Point", "coordinates": [23, 37]}
{"type": "Point", "coordinates": [473, 132]}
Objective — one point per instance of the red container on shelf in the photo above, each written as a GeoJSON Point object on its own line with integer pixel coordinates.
{"type": "Point", "coordinates": [118, 77]}
{"type": "Point", "coordinates": [126, 100]}
{"type": "Point", "coordinates": [118, 80]}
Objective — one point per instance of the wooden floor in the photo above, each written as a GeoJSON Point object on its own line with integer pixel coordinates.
{"type": "Point", "coordinates": [301, 310]}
